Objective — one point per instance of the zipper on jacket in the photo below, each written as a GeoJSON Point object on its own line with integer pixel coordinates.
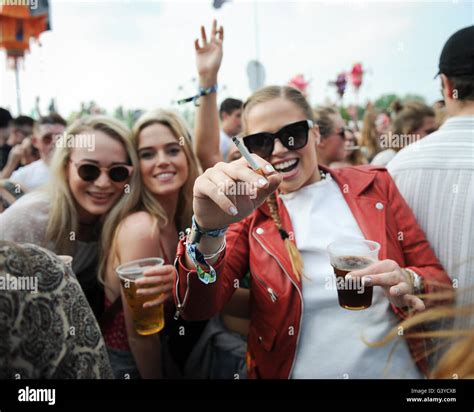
{"type": "Point", "coordinates": [180, 305]}
{"type": "Point", "coordinates": [270, 291]}
{"type": "Point", "coordinates": [299, 292]}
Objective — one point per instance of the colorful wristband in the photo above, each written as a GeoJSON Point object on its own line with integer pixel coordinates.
{"type": "Point", "coordinates": [194, 237]}
{"type": "Point", "coordinates": [202, 92]}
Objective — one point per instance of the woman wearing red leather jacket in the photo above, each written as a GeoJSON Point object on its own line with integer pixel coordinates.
{"type": "Point", "coordinates": [297, 328]}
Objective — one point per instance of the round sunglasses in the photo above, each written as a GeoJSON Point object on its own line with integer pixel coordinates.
{"type": "Point", "coordinates": [90, 172]}
{"type": "Point", "coordinates": [293, 136]}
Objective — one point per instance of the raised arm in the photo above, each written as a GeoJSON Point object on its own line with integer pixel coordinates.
{"type": "Point", "coordinates": [208, 62]}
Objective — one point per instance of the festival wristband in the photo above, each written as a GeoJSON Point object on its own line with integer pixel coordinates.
{"type": "Point", "coordinates": [198, 259]}
{"type": "Point", "coordinates": [202, 92]}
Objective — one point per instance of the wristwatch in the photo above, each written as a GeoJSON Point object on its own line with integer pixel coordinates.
{"type": "Point", "coordinates": [416, 281]}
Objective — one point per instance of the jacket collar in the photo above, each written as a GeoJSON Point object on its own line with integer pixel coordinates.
{"type": "Point", "coordinates": [359, 180]}
{"type": "Point", "coordinates": [353, 182]}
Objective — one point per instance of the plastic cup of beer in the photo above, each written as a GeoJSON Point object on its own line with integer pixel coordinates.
{"type": "Point", "coordinates": [347, 256]}
{"type": "Point", "coordinates": [147, 321]}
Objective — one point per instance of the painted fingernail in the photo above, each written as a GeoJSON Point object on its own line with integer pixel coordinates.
{"type": "Point", "coordinates": [262, 182]}
{"type": "Point", "coordinates": [233, 210]}
{"type": "Point", "coordinates": [269, 168]}
{"type": "Point", "coordinates": [367, 280]}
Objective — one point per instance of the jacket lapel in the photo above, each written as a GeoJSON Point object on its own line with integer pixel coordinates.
{"type": "Point", "coordinates": [368, 210]}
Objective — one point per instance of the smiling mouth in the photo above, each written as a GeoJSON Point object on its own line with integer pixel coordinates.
{"type": "Point", "coordinates": [164, 175]}
{"type": "Point", "coordinates": [100, 197]}
{"type": "Point", "coordinates": [286, 166]}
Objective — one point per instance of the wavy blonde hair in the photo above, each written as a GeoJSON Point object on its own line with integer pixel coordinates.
{"type": "Point", "coordinates": [63, 216]}
{"type": "Point", "coordinates": [369, 134]}
{"type": "Point", "coordinates": [144, 199]}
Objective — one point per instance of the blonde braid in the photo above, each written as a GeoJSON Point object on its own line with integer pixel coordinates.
{"type": "Point", "coordinates": [295, 256]}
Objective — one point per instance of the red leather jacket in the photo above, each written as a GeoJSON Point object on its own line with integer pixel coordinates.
{"type": "Point", "coordinates": [276, 299]}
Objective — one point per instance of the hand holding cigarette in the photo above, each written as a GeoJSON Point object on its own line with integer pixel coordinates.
{"type": "Point", "coordinates": [228, 192]}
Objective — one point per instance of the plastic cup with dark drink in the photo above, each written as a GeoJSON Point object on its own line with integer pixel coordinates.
{"type": "Point", "coordinates": [347, 256]}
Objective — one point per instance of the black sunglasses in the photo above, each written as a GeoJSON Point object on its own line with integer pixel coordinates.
{"type": "Point", "coordinates": [293, 136]}
{"type": "Point", "coordinates": [90, 172]}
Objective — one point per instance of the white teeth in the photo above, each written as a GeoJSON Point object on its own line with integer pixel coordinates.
{"type": "Point", "coordinates": [284, 165]}
{"type": "Point", "coordinates": [165, 175]}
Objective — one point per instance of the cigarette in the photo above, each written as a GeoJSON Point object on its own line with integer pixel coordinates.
{"type": "Point", "coordinates": [246, 154]}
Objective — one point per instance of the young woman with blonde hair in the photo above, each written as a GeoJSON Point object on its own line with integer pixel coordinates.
{"type": "Point", "coordinates": [150, 228]}
{"type": "Point", "coordinates": [93, 172]}
{"type": "Point", "coordinates": [297, 328]}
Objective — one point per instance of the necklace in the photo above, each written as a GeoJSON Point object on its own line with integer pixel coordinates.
{"type": "Point", "coordinates": [322, 174]}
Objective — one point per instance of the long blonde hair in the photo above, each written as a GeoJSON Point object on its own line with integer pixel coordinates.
{"type": "Point", "coordinates": [369, 133]}
{"type": "Point", "coordinates": [178, 127]}
{"type": "Point", "coordinates": [63, 216]}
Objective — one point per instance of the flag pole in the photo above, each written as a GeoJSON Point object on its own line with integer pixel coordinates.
{"type": "Point", "coordinates": [17, 82]}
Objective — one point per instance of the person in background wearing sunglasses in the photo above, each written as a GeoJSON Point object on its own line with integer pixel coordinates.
{"type": "Point", "coordinates": [77, 212]}
{"type": "Point", "coordinates": [45, 134]}
{"type": "Point", "coordinates": [297, 329]}
{"type": "Point", "coordinates": [331, 145]}
{"type": "Point", "coordinates": [353, 156]}
{"type": "Point", "coordinates": [413, 121]}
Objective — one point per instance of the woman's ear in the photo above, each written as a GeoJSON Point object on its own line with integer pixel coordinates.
{"type": "Point", "coordinates": [315, 132]}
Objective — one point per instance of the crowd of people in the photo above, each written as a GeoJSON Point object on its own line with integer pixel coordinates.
{"type": "Point", "coordinates": [244, 279]}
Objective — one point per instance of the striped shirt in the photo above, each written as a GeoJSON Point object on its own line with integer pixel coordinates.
{"type": "Point", "coordinates": [436, 177]}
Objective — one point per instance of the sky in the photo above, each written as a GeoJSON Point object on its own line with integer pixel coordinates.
{"type": "Point", "coordinates": [140, 54]}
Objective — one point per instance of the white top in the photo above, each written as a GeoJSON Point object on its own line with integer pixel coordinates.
{"type": "Point", "coordinates": [26, 221]}
{"type": "Point", "coordinates": [31, 176]}
{"type": "Point", "coordinates": [330, 343]}
{"type": "Point", "coordinates": [382, 158]}
{"type": "Point", "coordinates": [225, 142]}
{"type": "Point", "coordinates": [436, 177]}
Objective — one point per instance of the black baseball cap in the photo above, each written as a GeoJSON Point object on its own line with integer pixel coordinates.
{"type": "Point", "coordinates": [457, 56]}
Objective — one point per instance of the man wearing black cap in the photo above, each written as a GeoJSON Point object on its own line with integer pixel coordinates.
{"type": "Point", "coordinates": [436, 174]}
